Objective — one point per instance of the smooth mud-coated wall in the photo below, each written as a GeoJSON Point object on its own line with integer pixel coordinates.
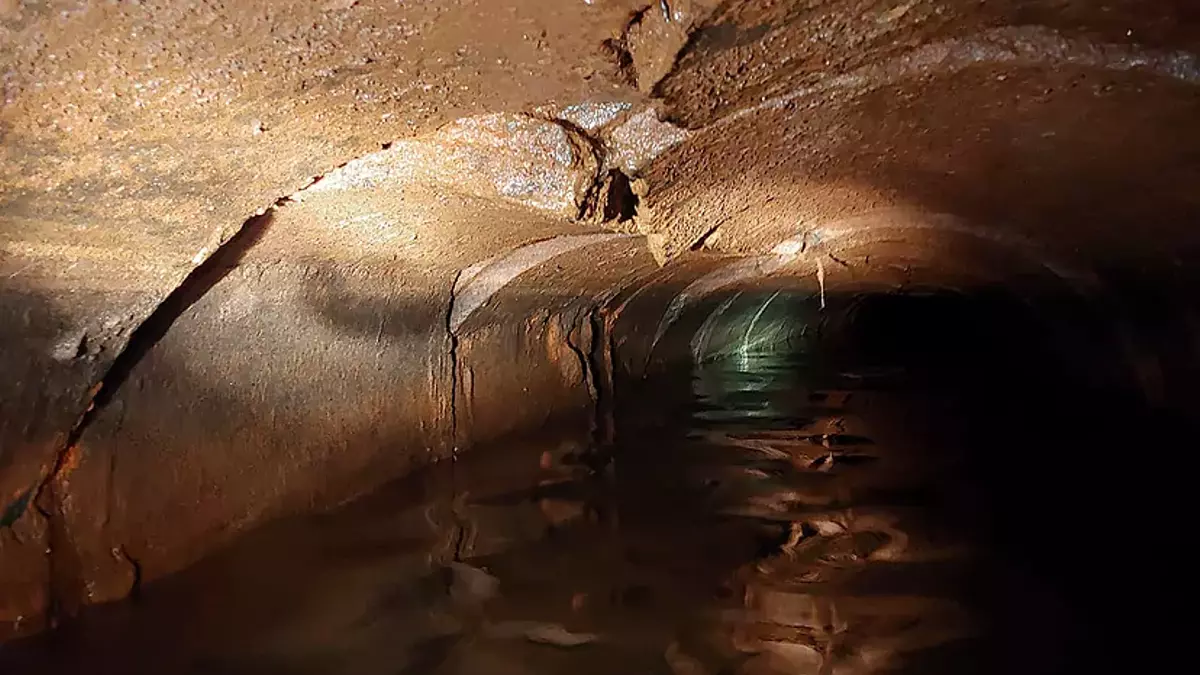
{"type": "Point", "coordinates": [388, 316]}
{"type": "Point", "coordinates": [259, 258]}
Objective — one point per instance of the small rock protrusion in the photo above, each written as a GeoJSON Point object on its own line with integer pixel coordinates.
{"type": "Point", "coordinates": [471, 585]}
{"type": "Point", "coordinates": [70, 346]}
{"type": "Point", "coordinates": [554, 634]}
{"type": "Point", "coordinates": [654, 39]}
{"type": "Point", "coordinates": [640, 139]}
{"type": "Point", "coordinates": [657, 243]}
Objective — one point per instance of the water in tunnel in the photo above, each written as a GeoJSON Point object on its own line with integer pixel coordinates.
{"type": "Point", "coordinates": [872, 448]}
{"type": "Point", "coordinates": [689, 337]}
{"type": "Point", "coordinates": [744, 353]}
{"type": "Point", "coordinates": [794, 482]}
{"type": "Point", "coordinates": [929, 460]}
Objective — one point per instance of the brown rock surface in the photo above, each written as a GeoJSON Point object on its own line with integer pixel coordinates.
{"type": "Point", "coordinates": [140, 140]}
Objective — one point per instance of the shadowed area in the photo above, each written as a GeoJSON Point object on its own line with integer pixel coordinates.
{"type": "Point", "coordinates": [838, 490]}
{"type": "Point", "coordinates": [699, 337]}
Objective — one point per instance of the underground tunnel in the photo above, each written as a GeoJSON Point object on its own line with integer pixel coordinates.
{"type": "Point", "coordinates": [692, 337]}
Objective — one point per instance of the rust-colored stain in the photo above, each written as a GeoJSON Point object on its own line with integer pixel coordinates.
{"type": "Point", "coordinates": [578, 601]}
{"type": "Point", "coordinates": [70, 461]}
{"type": "Point", "coordinates": [791, 128]}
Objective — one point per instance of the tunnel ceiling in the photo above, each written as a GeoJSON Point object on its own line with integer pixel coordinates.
{"type": "Point", "coordinates": [139, 140]}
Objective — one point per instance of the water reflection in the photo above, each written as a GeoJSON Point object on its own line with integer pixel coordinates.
{"type": "Point", "coordinates": [752, 389]}
{"type": "Point", "coordinates": [853, 578]}
{"type": "Point", "coordinates": [763, 531]}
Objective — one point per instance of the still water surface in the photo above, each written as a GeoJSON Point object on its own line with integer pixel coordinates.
{"type": "Point", "coordinates": [759, 524]}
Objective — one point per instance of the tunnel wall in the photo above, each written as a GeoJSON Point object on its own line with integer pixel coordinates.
{"type": "Point", "coordinates": [1096, 327]}
{"type": "Point", "coordinates": [357, 331]}
{"type": "Point", "coordinates": [276, 363]}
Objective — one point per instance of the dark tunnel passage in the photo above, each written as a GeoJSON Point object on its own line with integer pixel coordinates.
{"type": "Point", "coordinates": [995, 423]}
{"type": "Point", "coordinates": [791, 479]}
{"type": "Point", "coordinates": [700, 337]}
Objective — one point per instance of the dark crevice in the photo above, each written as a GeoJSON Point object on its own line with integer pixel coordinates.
{"type": "Point", "coordinates": [64, 572]}
{"type": "Point", "coordinates": [65, 580]}
{"type": "Point", "coordinates": [584, 330]}
{"type": "Point", "coordinates": [453, 354]}
{"type": "Point", "coordinates": [620, 201]}
{"type": "Point", "coordinates": [455, 373]}
{"type": "Point", "coordinates": [460, 540]}
{"type": "Point", "coordinates": [600, 363]}
{"type": "Point", "coordinates": [610, 195]}
{"type": "Point", "coordinates": [703, 238]}
{"type": "Point", "coordinates": [585, 364]}
{"type": "Point", "coordinates": [619, 52]}
{"type": "Point", "coordinates": [589, 205]}
{"type": "Point", "coordinates": [618, 49]}
{"type": "Point", "coordinates": [135, 588]}
{"type": "Point", "coordinates": [609, 347]}
{"type": "Point", "coordinates": [193, 287]}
